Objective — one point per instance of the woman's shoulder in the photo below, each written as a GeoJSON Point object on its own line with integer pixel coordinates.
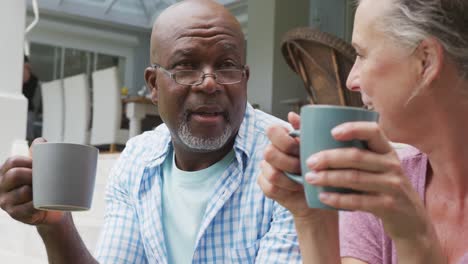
{"type": "Point", "coordinates": [414, 163]}
{"type": "Point", "coordinates": [406, 152]}
{"type": "Point", "coordinates": [410, 157]}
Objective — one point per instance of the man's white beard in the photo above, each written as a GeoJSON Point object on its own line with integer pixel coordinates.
{"type": "Point", "coordinates": [203, 144]}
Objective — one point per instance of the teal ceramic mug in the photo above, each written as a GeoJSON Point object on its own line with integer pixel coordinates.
{"type": "Point", "coordinates": [317, 121]}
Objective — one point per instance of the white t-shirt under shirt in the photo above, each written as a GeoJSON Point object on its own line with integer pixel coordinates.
{"type": "Point", "coordinates": [185, 196]}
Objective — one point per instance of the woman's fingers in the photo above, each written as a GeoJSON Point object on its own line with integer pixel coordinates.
{"type": "Point", "coordinates": [273, 191]}
{"type": "Point", "coordinates": [366, 131]}
{"type": "Point", "coordinates": [368, 202]}
{"type": "Point", "coordinates": [357, 180]}
{"type": "Point", "coordinates": [294, 119]}
{"type": "Point", "coordinates": [278, 178]}
{"type": "Point", "coordinates": [282, 161]}
{"type": "Point", "coordinates": [280, 138]}
{"type": "Point", "coordinates": [353, 158]}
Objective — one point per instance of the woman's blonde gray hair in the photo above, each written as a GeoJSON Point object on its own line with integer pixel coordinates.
{"type": "Point", "coordinates": [411, 21]}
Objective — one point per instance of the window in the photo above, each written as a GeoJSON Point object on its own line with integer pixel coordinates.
{"type": "Point", "coordinates": [52, 63]}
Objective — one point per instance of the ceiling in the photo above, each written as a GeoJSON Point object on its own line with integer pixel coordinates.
{"type": "Point", "coordinates": [138, 14]}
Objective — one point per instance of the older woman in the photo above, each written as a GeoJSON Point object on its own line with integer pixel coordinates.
{"type": "Point", "coordinates": [412, 68]}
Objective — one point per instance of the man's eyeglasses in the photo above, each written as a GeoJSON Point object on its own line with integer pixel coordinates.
{"type": "Point", "coordinates": [196, 77]}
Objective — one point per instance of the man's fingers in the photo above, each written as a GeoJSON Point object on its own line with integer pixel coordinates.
{"type": "Point", "coordinates": [15, 178]}
{"type": "Point", "coordinates": [16, 197]}
{"type": "Point", "coordinates": [39, 140]}
{"type": "Point", "coordinates": [26, 213]}
{"type": "Point", "coordinates": [16, 161]}
{"type": "Point", "coordinates": [12, 164]}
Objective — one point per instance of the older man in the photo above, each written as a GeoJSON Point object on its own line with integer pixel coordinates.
{"type": "Point", "coordinates": [185, 192]}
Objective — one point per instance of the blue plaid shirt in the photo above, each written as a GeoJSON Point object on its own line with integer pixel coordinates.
{"type": "Point", "coordinates": [240, 225]}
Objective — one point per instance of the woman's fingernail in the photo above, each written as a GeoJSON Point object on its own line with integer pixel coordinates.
{"type": "Point", "coordinates": [312, 161]}
{"type": "Point", "coordinates": [311, 177]}
{"type": "Point", "coordinates": [324, 196]}
{"type": "Point", "coordinates": [337, 130]}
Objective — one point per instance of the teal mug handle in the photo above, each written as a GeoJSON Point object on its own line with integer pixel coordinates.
{"type": "Point", "coordinates": [295, 177]}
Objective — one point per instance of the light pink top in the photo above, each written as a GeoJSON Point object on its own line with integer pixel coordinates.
{"type": "Point", "coordinates": [362, 235]}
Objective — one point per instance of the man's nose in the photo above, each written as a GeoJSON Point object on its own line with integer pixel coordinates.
{"type": "Point", "coordinates": [208, 84]}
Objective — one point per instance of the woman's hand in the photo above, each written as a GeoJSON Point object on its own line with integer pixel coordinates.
{"type": "Point", "coordinates": [386, 191]}
{"type": "Point", "coordinates": [317, 229]}
{"type": "Point", "coordinates": [283, 155]}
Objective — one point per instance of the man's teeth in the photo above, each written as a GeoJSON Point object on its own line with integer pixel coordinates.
{"type": "Point", "coordinates": [208, 114]}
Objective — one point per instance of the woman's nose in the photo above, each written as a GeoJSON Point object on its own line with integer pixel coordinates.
{"type": "Point", "coordinates": [352, 83]}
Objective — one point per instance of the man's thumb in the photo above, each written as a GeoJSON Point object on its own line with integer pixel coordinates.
{"type": "Point", "coordinates": [39, 140]}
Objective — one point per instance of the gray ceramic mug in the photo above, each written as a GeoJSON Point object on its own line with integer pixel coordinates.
{"type": "Point", "coordinates": [63, 176]}
{"type": "Point", "coordinates": [317, 121]}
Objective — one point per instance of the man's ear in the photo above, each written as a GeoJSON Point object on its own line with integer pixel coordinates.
{"type": "Point", "coordinates": [150, 79]}
{"type": "Point", "coordinates": [247, 73]}
{"type": "Point", "coordinates": [431, 55]}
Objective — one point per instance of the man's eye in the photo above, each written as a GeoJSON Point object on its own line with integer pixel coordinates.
{"type": "Point", "coordinates": [228, 65]}
{"type": "Point", "coordinates": [184, 65]}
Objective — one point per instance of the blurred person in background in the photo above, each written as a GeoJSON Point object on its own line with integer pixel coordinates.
{"type": "Point", "coordinates": [32, 91]}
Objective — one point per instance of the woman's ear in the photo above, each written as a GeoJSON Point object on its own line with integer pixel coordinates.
{"type": "Point", "coordinates": [150, 79]}
{"type": "Point", "coordinates": [431, 55]}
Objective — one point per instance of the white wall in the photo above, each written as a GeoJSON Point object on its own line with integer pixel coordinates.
{"type": "Point", "coordinates": [260, 50]}
{"type": "Point", "coordinates": [287, 84]}
{"type": "Point", "coordinates": [272, 81]}
{"type": "Point", "coordinates": [332, 16]}
{"type": "Point", "coordinates": [13, 105]}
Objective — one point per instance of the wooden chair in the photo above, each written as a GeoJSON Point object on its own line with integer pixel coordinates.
{"type": "Point", "coordinates": [323, 62]}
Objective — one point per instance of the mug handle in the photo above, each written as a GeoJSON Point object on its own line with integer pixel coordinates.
{"type": "Point", "coordinates": [296, 178]}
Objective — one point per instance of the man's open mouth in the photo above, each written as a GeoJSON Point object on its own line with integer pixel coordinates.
{"type": "Point", "coordinates": [207, 113]}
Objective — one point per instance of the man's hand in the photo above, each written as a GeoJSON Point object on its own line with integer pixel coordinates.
{"type": "Point", "coordinates": [16, 192]}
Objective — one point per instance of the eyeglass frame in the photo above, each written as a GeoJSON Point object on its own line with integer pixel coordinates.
{"type": "Point", "coordinates": [203, 76]}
